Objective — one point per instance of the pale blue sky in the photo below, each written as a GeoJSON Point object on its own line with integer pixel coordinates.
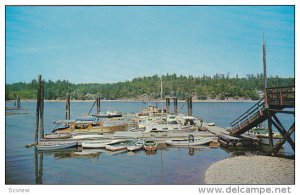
{"type": "Point", "coordinates": [111, 44]}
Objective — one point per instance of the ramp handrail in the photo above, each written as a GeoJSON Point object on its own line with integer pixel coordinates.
{"type": "Point", "coordinates": [246, 116]}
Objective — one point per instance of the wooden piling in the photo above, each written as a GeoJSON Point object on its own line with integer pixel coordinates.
{"type": "Point", "coordinates": [98, 104]}
{"type": "Point", "coordinates": [167, 105]}
{"type": "Point", "coordinates": [42, 111]}
{"type": "Point", "coordinates": [270, 131]}
{"type": "Point", "coordinates": [18, 103]}
{"type": "Point", "coordinates": [189, 105]}
{"type": "Point", "coordinates": [175, 105]}
{"type": "Point", "coordinates": [68, 115]}
{"type": "Point", "coordinates": [37, 113]}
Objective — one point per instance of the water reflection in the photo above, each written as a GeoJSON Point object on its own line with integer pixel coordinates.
{"type": "Point", "coordinates": [38, 162]}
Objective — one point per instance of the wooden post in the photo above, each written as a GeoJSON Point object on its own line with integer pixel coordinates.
{"type": "Point", "coordinates": [175, 106]}
{"type": "Point", "coordinates": [189, 105]}
{"type": "Point", "coordinates": [68, 107]}
{"type": "Point", "coordinates": [37, 113]}
{"type": "Point", "coordinates": [18, 103]}
{"type": "Point", "coordinates": [42, 111]}
{"type": "Point", "coordinates": [168, 105]}
{"type": "Point", "coordinates": [98, 104]}
{"type": "Point", "coordinates": [270, 131]}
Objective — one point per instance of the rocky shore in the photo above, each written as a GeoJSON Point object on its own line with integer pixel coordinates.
{"type": "Point", "coordinates": [252, 170]}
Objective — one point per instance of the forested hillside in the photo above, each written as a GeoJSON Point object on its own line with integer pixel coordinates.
{"type": "Point", "coordinates": [219, 86]}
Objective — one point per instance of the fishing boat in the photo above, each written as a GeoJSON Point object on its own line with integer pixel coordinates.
{"type": "Point", "coordinates": [108, 114]}
{"type": "Point", "coordinates": [191, 141]}
{"type": "Point", "coordinates": [150, 145]}
{"type": "Point", "coordinates": [263, 135]}
{"type": "Point", "coordinates": [57, 136]}
{"type": "Point", "coordinates": [137, 146]}
{"type": "Point", "coordinates": [87, 136]}
{"type": "Point", "coordinates": [55, 146]}
{"type": "Point", "coordinates": [90, 124]}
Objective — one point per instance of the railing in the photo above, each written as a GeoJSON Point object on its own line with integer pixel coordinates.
{"type": "Point", "coordinates": [281, 96]}
{"type": "Point", "coordinates": [249, 114]}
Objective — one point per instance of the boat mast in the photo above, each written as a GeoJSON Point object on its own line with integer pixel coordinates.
{"type": "Point", "coordinates": [161, 92]}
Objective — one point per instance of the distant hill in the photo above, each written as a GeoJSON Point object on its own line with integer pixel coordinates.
{"type": "Point", "coordinates": [219, 86]}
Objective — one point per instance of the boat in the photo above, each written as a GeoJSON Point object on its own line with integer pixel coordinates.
{"type": "Point", "coordinates": [137, 146]}
{"type": "Point", "coordinates": [150, 145]}
{"type": "Point", "coordinates": [211, 124]}
{"type": "Point", "coordinates": [191, 141]}
{"type": "Point", "coordinates": [263, 135]}
{"type": "Point", "coordinates": [90, 124]}
{"type": "Point", "coordinates": [57, 136]}
{"type": "Point", "coordinates": [87, 136]}
{"type": "Point", "coordinates": [55, 146]}
{"type": "Point", "coordinates": [98, 144]}
{"type": "Point", "coordinates": [108, 114]}
{"type": "Point", "coordinates": [115, 148]}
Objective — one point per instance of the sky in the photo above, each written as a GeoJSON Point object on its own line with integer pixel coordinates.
{"type": "Point", "coordinates": [105, 44]}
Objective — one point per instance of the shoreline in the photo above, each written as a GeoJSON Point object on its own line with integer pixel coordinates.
{"type": "Point", "coordinates": [153, 101]}
{"type": "Point", "coordinates": [251, 170]}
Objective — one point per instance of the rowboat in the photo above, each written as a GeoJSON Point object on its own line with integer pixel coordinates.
{"type": "Point", "coordinates": [98, 144]}
{"type": "Point", "coordinates": [189, 142]}
{"type": "Point", "coordinates": [263, 135]}
{"type": "Point", "coordinates": [87, 136]}
{"type": "Point", "coordinates": [115, 148]}
{"type": "Point", "coordinates": [137, 146]}
{"type": "Point", "coordinates": [55, 146]}
{"type": "Point", "coordinates": [57, 136]}
{"type": "Point", "coordinates": [150, 145]}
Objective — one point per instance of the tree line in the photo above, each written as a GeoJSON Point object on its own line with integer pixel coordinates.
{"type": "Point", "coordinates": [218, 86]}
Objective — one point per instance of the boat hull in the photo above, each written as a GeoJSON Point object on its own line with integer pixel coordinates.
{"type": "Point", "coordinates": [54, 146]}
{"type": "Point", "coordinates": [196, 142]}
{"type": "Point", "coordinates": [115, 148]}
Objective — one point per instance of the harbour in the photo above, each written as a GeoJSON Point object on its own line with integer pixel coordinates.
{"type": "Point", "coordinates": [164, 163]}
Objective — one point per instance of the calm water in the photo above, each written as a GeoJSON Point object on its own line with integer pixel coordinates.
{"type": "Point", "coordinates": [166, 166]}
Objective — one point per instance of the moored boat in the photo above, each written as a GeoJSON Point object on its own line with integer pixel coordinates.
{"type": "Point", "coordinates": [55, 146]}
{"type": "Point", "coordinates": [87, 136]}
{"type": "Point", "coordinates": [137, 146]}
{"type": "Point", "coordinates": [191, 141]}
{"type": "Point", "coordinates": [150, 144]}
{"type": "Point", "coordinates": [57, 136]}
{"type": "Point", "coordinates": [98, 144]}
{"type": "Point", "coordinates": [115, 148]}
{"type": "Point", "coordinates": [263, 135]}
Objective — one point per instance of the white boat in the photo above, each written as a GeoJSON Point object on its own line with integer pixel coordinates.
{"type": "Point", "coordinates": [87, 136]}
{"type": "Point", "coordinates": [98, 144]}
{"type": "Point", "coordinates": [115, 148]}
{"type": "Point", "coordinates": [55, 146]}
{"type": "Point", "coordinates": [108, 114]}
{"type": "Point", "coordinates": [189, 142]}
{"type": "Point", "coordinates": [137, 146]}
{"type": "Point", "coordinates": [263, 135]}
{"type": "Point", "coordinates": [211, 124]}
{"type": "Point", "coordinates": [57, 136]}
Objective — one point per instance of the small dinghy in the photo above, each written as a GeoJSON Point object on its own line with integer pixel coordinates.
{"type": "Point", "coordinates": [55, 146]}
{"type": "Point", "coordinates": [98, 144]}
{"type": "Point", "coordinates": [211, 124]}
{"type": "Point", "coordinates": [191, 141]}
{"type": "Point", "coordinates": [137, 146]}
{"type": "Point", "coordinates": [115, 148]}
{"type": "Point", "coordinates": [150, 145]}
{"type": "Point", "coordinates": [57, 136]}
{"type": "Point", "coordinates": [87, 136]}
